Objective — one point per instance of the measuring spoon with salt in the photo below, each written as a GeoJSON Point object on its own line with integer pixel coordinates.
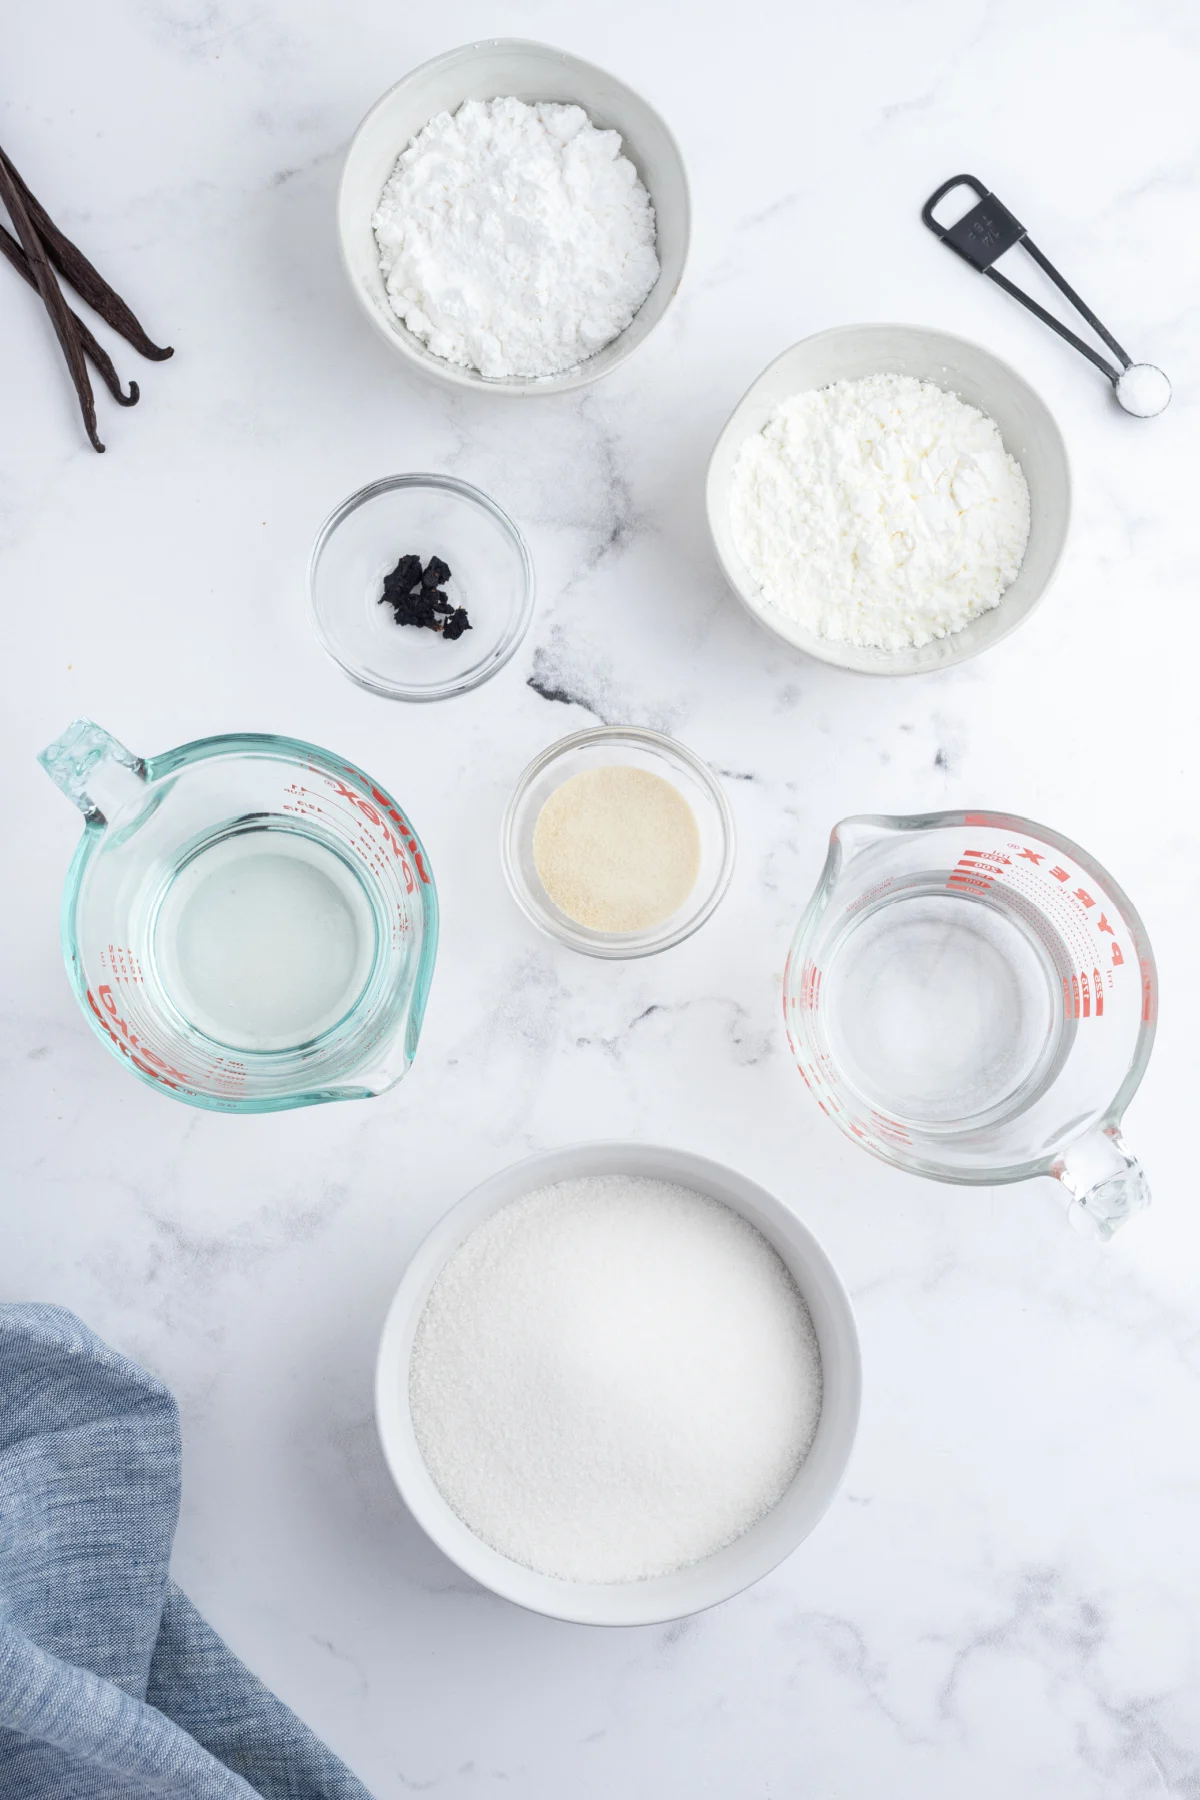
{"type": "Point", "coordinates": [982, 236]}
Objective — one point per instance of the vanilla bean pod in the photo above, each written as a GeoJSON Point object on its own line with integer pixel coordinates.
{"type": "Point", "coordinates": [61, 316]}
{"type": "Point", "coordinates": [87, 281]}
{"type": "Point", "coordinates": [101, 360]}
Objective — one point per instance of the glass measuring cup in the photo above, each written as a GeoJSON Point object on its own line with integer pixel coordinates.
{"type": "Point", "coordinates": [249, 922]}
{"type": "Point", "coordinates": [971, 997]}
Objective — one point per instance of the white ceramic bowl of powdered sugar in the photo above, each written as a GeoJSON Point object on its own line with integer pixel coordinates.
{"type": "Point", "coordinates": [519, 248]}
{"type": "Point", "coordinates": [618, 1383]}
{"type": "Point", "coordinates": [889, 499]}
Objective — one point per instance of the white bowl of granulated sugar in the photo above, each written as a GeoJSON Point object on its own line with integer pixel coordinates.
{"type": "Point", "coordinates": [499, 240]}
{"type": "Point", "coordinates": [618, 1384]}
{"type": "Point", "coordinates": [889, 499]}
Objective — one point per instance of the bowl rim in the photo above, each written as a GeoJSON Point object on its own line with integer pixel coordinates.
{"type": "Point", "coordinates": [577, 1602]}
{"type": "Point", "coordinates": [616, 948]}
{"type": "Point", "coordinates": [518, 625]}
{"type": "Point", "coordinates": [826, 650]}
{"type": "Point", "coordinates": [458, 375]}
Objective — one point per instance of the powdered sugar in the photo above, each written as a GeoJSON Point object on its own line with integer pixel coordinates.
{"type": "Point", "coordinates": [614, 1377]}
{"type": "Point", "coordinates": [880, 512]}
{"type": "Point", "coordinates": [515, 239]}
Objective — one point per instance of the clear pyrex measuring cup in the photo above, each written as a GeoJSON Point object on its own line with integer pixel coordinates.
{"type": "Point", "coordinates": [971, 997]}
{"type": "Point", "coordinates": [249, 923]}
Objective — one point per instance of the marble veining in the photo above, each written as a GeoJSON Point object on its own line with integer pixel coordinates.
{"type": "Point", "coordinates": [1004, 1599]}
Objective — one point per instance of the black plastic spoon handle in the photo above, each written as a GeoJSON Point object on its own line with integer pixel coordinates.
{"type": "Point", "coordinates": [982, 236]}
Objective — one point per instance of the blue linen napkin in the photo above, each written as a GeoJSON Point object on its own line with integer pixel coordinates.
{"type": "Point", "coordinates": [112, 1687]}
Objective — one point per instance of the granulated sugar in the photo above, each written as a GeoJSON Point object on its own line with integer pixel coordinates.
{"type": "Point", "coordinates": [614, 1377]}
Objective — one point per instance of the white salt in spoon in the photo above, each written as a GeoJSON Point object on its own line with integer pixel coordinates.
{"type": "Point", "coordinates": [1142, 390]}
{"type": "Point", "coordinates": [984, 233]}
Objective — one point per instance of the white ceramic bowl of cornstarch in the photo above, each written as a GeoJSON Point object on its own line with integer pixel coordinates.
{"type": "Point", "coordinates": [518, 234]}
{"type": "Point", "coordinates": [889, 499]}
{"type": "Point", "coordinates": [618, 1384]}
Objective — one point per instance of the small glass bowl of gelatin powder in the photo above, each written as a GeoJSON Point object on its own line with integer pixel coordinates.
{"type": "Point", "coordinates": [618, 842]}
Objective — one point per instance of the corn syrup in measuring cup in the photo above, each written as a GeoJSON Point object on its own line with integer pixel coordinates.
{"type": "Point", "coordinates": [249, 922]}
{"type": "Point", "coordinates": [264, 939]}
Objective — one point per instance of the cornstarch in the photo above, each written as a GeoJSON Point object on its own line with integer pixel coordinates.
{"type": "Point", "coordinates": [514, 239]}
{"type": "Point", "coordinates": [879, 512]}
{"type": "Point", "coordinates": [614, 1377]}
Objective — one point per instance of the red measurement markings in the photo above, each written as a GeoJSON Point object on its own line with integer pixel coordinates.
{"type": "Point", "coordinates": [129, 1044]}
{"type": "Point", "coordinates": [974, 872]}
{"type": "Point", "coordinates": [1080, 943]}
{"type": "Point", "coordinates": [124, 965]}
{"type": "Point", "coordinates": [365, 846]}
{"type": "Point", "coordinates": [389, 807]}
{"type": "Point", "coordinates": [868, 895]}
{"type": "Point", "coordinates": [1083, 995]}
{"type": "Point", "coordinates": [376, 818]}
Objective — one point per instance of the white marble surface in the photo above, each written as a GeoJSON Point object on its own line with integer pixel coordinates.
{"type": "Point", "coordinates": [1004, 1599]}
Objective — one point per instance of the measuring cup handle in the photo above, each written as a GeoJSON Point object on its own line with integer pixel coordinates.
{"type": "Point", "coordinates": [1106, 1182]}
{"type": "Point", "coordinates": [93, 770]}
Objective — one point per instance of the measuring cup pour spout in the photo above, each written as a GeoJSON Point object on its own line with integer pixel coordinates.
{"type": "Point", "coordinates": [853, 837]}
{"type": "Point", "coordinates": [1106, 1182]}
{"type": "Point", "coordinates": [855, 840]}
{"type": "Point", "coordinates": [94, 771]}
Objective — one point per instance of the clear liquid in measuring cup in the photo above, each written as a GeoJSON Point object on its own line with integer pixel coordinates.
{"type": "Point", "coordinates": [263, 939]}
{"type": "Point", "coordinates": [944, 1010]}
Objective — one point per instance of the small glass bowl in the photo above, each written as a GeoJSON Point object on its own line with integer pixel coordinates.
{"type": "Point", "coordinates": [634, 748]}
{"type": "Point", "coordinates": [491, 574]}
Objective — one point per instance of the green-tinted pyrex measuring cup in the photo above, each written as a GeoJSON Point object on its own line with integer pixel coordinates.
{"type": "Point", "coordinates": [249, 923]}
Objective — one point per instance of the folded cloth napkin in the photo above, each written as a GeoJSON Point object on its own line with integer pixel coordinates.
{"type": "Point", "coordinates": [112, 1687]}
